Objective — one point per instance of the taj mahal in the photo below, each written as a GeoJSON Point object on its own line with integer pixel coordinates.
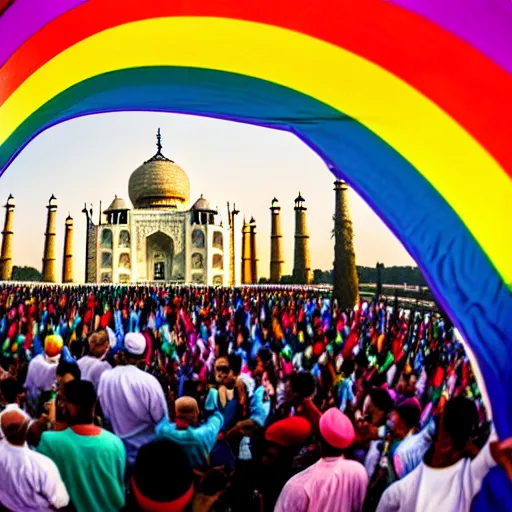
{"type": "Point", "coordinates": [157, 236]}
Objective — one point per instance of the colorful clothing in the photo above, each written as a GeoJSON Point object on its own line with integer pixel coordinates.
{"type": "Point", "coordinates": [92, 463]}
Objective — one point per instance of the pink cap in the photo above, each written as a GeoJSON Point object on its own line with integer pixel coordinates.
{"type": "Point", "coordinates": [336, 429]}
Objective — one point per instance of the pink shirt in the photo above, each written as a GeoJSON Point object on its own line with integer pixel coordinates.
{"type": "Point", "coordinates": [332, 483]}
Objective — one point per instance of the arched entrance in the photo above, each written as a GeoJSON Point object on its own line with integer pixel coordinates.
{"type": "Point", "coordinates": [159, 257]}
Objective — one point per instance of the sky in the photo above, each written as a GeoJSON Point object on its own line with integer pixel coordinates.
{"type": "Point", "coordinates": [90, 159]}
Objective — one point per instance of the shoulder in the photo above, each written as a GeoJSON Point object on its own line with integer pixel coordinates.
{"type": "Point", "coordinates": [299, 480]}
{"type": "Point", "coordinates": [37, 361]}
{"type": "Point", "coordinates": [112, 440]}
{"type": "Point", "coordinates": [405, 484]}
{"type": "Point", "coordinates": [355, 468]}
{"type": "Point", "coordinates": [45, 463]}
{"type": "Point", "coordinates": [166, 428]}
{"type": "Point", "coordinates": [52, 442]}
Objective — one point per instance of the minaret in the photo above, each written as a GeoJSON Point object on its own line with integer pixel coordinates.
{"type": "Point", "coordinates": [345, 279]}
{"type": "Point", "coordinates": [254, 255]}
{"type": "Point", "coordinates": [7, 237]}
{"type": "Point", "coordinates": [50, 249]}
{"type": "Point", "coordinates": [276, 257]}
{"type": "Point", "coordinates": [231, 215]}
{"type": "Point", "coordinates": [67, 264]}
{"type": "Point", "coordinates": [246, 254]}
{"type": "Point", "coordinates": [301, 263]}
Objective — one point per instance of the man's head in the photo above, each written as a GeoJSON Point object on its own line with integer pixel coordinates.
{"type": "Point", "coordinates": [283, 440]}
{"type": "Point", "coordinates": [79, 402]}
{"type": "Point", "coordinates": [99, 344]}
{"type": "Point", "coordinates": [235, 364]}
{"type": "Point", "coordinates": [336, 431]}
{"type": "Point", "coordinates": [134, 346]}
{"type": "Point", "coordinates": [10, 391]}
{"type": "Point", "coordinates": [459, 421]}
{"type": "Point", "coordinates": [407, 384]}
{"type": "Point", "coordinates": [381, 404]}
{"type": "Point", "coordinates": [53, 344]}
{"type": "Point", "coordinates": [347, 367]}
{"type": "Point", "coordinates": [303, 384]}
{"type": "Point", "coordinates": [151, 479]}
{"type": "Point", "coordinates": [67, 372]}
{"type": "Point", "coordinates": [14, 426]}
{"type": "Point", "coordinates": [263, 359]}
{"type": "Point", "coordinates": [403, 419]}
{"type": "Point", "coordinates": [187, 412]}
{"type": "Point", "coordinates": [223, 372]}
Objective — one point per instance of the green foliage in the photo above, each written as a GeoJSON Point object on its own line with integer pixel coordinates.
{"type": "Point", "coordinates": [26, 274]}
{"type": "Point", "coordinates": [393, 275]}
{"type": "Point", "coordinates": [368, 275]}
{"type": "Point", "coordinates": [287, 280]}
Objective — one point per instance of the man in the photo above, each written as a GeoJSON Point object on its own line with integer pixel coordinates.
{"type": "Point", "coordinates": [94, 364]}
{"type": "Point", "coordinates": [165, 486]}
{"type": "Point", "coordinates": [91, 460]}
{"type": "Point", "coordinates": [30, 481]}
{"type": "Point", "coordinates": [10, 398]}
{"type": "Point", "coordinates": [333, 483]}
{"type": "Point", "coordinates": [198, 441]}
{"type": "Point", "coordinates": [452, 471]}
{"type": "Point", "coordinates": [283, 441]}
{"type": "Point", "coordinates": [42, 370]}
{"type": "Point", "coordinates": [66, 372]}
{"type": "Point", "coordinates": [373, 426]}
{"type": "Point", "coordinates": [347, 397]}
{"type": "Point", "coordinates": [131, 399]}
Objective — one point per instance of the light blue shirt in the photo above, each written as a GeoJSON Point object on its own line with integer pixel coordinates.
{"type": "Point", "coordinates": [347, 393]}
{"type": "Point", "coordinates": [198, 442]}
{"type": "Point", "coordinates": [410, 451]}
{"type": "Point", "coordinates": [259, 408]}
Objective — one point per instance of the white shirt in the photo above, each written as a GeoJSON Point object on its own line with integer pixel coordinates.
{"type": "Point", "coordinates": [41, 376]}
{"type": "Point", "coordinates": [135, 403]}
{"type": "Point", "coordinates": [131, 399]}
{"type": "Point", "coordinates": [429, 489]}
{"type": "Point", "coordinates": [11, 407]}
{"type": "Point", "coordinates": [92, 368]}
{"type": "Point", "coordinates": [30, 481]}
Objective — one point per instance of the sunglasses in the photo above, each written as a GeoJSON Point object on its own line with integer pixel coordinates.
{"type": "Point", "coordinates": [222, 369]}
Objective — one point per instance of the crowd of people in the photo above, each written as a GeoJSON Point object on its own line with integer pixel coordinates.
{"type": "Point", "coordinates": [226, 399]}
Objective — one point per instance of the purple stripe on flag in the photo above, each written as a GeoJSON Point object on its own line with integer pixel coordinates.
{"type": "Point", "coordinates": [24, 18]}
{"type": "Point", "coordinates": [484, 24]}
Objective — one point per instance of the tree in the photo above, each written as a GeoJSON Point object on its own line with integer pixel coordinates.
{"type": "Point", "coordinates": [25, 274]}
{"type": "Point", "coordinates": [322, 276]}
{"type": "Point", "coordinates": [287, 280]}
{"type": "Point", "coordinates": [345, 278]}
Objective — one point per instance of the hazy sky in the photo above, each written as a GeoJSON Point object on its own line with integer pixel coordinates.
{"type": "Point", "coordinates": [91, 159]}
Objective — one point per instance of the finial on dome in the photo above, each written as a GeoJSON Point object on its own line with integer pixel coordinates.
{"type": "Point", "coordinates": [159, 142]}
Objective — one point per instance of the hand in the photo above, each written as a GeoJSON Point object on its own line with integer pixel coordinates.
{"type": "Point", "coordinates": [502, 454]}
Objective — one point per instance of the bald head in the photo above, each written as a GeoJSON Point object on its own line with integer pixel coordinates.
{"type": "Point", "coordinates": [187, 410]}
{"type": "Point", "coordinates": [14, 427]}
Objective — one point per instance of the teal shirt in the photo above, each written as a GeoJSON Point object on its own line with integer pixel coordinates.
{"type": "Point", "coordinates": [198, 442]}
{"type": "Point", "coordinates": [92, 468]}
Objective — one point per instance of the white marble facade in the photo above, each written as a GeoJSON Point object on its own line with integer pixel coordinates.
{"type": "Point", "coordinates": [162, 246]}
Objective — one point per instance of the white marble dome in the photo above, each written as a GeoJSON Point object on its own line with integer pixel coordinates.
{"type": "Point", "coordinates": [159, 183]}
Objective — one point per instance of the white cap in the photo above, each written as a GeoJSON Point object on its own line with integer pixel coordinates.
{"type": "Point", "coordinates": [135, 343]}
